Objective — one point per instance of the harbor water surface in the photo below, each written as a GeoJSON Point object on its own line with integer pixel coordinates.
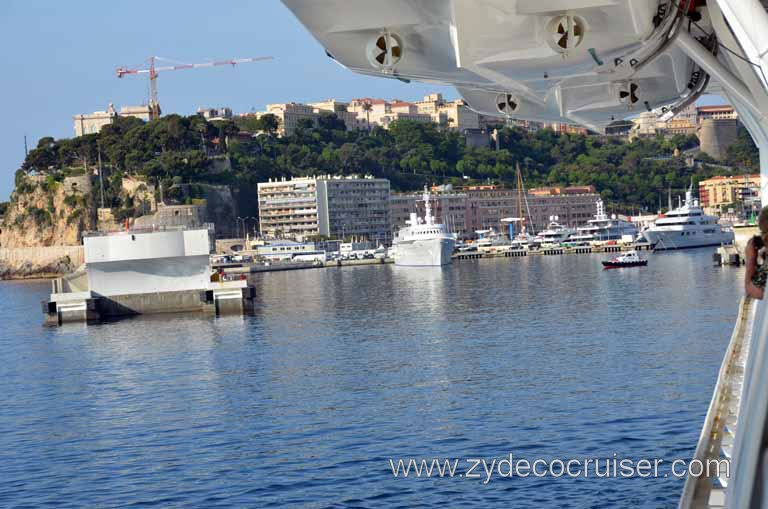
{"type": "Point", "coordinates": [340, 370]}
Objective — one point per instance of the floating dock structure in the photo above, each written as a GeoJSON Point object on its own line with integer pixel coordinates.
{"type": "Point", "coordinates": [727, 255]}
{"type": "Point", "coordinates": [144, 272]}
{"type": "Point", "coordinates": [507, 252]}
{"type": "Point", "coordinates": [492, 252]}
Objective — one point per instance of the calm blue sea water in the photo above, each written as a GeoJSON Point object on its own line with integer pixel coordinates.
{"type": "Point", "coordinates": [303, 404]}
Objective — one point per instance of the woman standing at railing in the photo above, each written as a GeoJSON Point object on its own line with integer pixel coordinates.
{"type": "Point", "coordinates": [757, 268]}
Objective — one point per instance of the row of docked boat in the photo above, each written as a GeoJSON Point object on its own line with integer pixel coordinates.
{"type": "Point", "coordinates": [600, 229]}
{"type": "Point", "coordinates": [683, 227]}
{"type": "Point", "coordinates": [423, 242]}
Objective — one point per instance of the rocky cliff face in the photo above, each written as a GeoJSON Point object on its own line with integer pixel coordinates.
{"type": "Point", "coordinates": [44, 212]}
{"type": "Point", "coordinates": [35, 262]}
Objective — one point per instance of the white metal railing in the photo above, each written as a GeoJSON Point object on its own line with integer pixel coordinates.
{"type": "Point", "coordinates": [717, 434]}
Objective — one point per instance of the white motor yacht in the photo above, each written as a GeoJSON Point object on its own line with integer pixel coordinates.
{"type": "Point", "coordinates": [603, 228]}
{"type": "Point", "coordinates": [424, 243]}
{"type": "Point", "coordinates": [554, 234]}
{"type": "Point", "coordinates": [687, 226]}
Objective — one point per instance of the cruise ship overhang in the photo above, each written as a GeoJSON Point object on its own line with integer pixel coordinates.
{"type": "Point", "coordinates": [588, 62]}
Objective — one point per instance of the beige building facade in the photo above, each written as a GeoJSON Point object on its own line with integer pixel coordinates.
{"type": "Point", "coordinates": [687, 122]}
{"type": "Point", "coordinates": [289, 115]}
{"type": "Point", "coordinates": [93, 123]}
{"type": "Point", "coordinates": [382, 113]}
{"type": "Point", "coordinates": [449, 114]}
{"type": "Point", "coordinates": [720, 191]}
{"type": "Point", "coordinates": [340, 109]}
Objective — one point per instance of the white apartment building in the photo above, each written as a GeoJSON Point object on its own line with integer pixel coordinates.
{"type": "Point", "coordinates": [334, 207]}
{"type": "Point", "coordinates": [288, 208]}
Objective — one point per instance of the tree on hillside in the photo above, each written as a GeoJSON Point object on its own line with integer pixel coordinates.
{"type": "Point", "coordinates": [43, 157]}
{"type": "Point", "coordinates": [331, 122]}
{"type": "Point", "coordinates": [367, 108]}
{"type": "Point", "coordinates": [743, 152]}
{"type": "Point", "coordinates": [269, 123]}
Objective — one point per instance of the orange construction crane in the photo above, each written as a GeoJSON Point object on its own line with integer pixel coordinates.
{"type": "Point", "coordinates": [152, 70]}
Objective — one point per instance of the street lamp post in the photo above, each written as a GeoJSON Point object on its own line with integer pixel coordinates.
{"type": "Point", "coordinates": [237, 223]}
{"type": "Point", "coordinates": [245, 226]}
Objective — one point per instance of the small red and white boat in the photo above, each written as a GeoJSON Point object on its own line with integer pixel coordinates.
{"type": "Point", "coordinates": [628, 259]}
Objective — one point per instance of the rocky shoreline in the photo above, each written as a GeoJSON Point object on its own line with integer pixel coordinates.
{"type": "Point", "coordinates": [36, 263]}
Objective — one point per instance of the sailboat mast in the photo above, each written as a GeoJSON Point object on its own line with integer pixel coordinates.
{"type": "Point", "coordinates": [519, 193]}
{"type": "Point", "coordinates": [669, 198]}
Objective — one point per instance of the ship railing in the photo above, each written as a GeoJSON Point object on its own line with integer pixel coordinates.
{"type": "Point", "coordinates": [718, 433]}
{"type": "Point", "coordinates": [152, 229]}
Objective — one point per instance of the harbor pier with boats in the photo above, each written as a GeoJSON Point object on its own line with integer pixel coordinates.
{"type": "Point", "coordinates": [252, 266]}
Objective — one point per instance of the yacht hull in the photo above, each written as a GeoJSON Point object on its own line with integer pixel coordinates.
{"type": "Point", "coordinates": [424, 252]}
{"type": "Point", "coordinates": [675, 239]}
{"type": "Point", "coordinates": [618, 265]}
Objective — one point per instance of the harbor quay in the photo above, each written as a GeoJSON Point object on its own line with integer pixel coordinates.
{"type": "Point", "coordinates": [248, 265]}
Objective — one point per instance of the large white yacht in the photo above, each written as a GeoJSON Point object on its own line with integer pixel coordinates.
{"type": "Point", "coordinates": [603, 228]}
{"type": "Point", "coordinates": [488, 238]}
{"type": "Point", "coordinates": [423, 243]}
{"type": "Point", "coordinates": [687, 226]}
{"type": "Point", "coordinates": [554, 234]}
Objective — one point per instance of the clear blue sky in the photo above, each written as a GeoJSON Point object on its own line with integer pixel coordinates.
{"type": "Point", "coordinates": [59, 59]}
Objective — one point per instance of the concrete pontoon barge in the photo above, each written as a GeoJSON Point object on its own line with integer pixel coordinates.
{"type": "Point", "coordinates": [144, 272]}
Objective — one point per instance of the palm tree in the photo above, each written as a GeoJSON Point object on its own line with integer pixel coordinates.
{"type": "Point", "coordinates": [367, 108]}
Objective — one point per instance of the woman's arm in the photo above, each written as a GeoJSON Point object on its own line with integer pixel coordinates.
{"type": "Point", "coordinates": [750, 288]}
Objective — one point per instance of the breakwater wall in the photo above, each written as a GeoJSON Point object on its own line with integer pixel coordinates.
{"type": "Point", "coordinates": [36, 262]}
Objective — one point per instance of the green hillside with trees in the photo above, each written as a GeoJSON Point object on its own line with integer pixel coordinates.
{"type": "Point", "coordinates": [176, 149]}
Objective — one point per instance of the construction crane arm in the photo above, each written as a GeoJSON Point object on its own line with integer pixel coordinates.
{"type": "Point", "coordinates": [152, 70]}
{"type": "Point", "coordinates": [122, 71]}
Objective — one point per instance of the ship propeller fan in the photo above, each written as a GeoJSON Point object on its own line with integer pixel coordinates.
{"type": "Point", "coordinates": [506, 103]}
{"type": "Point", "coordinates": [629, 96]}
{"type": "Point", "coordinates": [386, 51]}
{"type": "Point", "coordinates": [567, 33]}
{"type": "Point", "coordinates": [563, 41]}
